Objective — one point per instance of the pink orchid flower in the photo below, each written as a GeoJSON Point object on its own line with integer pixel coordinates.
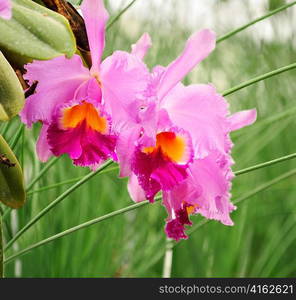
{"type": "Point", "coordinates": [71, 101]}
{"type": "Point", "coordinates": [5, 9]}
{"type": "Point", "coordinates": [176, 140]}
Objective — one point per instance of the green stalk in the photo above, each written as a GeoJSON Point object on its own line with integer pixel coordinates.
{"type": "Point", "coordinates": [259, 78]}
{"type": "Point", "coordinates": [168, 259]}
{"type": "Point", "coordinates": [73, 180]}
{"type": "Point", "coordinates": [131, 207]}
{"type": "Point", "coordinates": [266, 164]}
{"type": "Point", "coordinates": [16, 137]}
{"type": "Point", "coordinates": [80, 226]}
{"type": "Point", "coordinates": [5, 128]}
{"type": "Point", "coordinates": [257, 190]}
{"type": "Point", "coordinates": [42, 172]}
{"type": "Point", "coordinates": [140, 204]}
{"type": "Point", "coordinates": [273, 12]}
{"type": "Point", "coordinates": [115, 19]}
{"type": "Point", "coordinates": [55, 202]}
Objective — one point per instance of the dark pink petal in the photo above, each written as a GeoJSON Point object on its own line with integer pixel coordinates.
{"type": "Point", "coordinates": [198, 47]}
{"type": "Point", "coordinates": [141, 47]}
{"type": "Point", "coordinates": [155, 174]}
{"type": "Point", "coordinates": [66, 141]}
{"type": "Point", "coordinates": [42, 147]}
{"type": "Point", "coordinates": [95, 18]}
{"type": "Point", "coordinates": [242, 119]}
{"type": "Point", "coordinates": [85, 146]}
{"type": "Point", "coordinates": [174, 229]}
{"type": "Point", "coordinates": [58, 80]}
{"type": "Point", "coordinates": [5, 9]}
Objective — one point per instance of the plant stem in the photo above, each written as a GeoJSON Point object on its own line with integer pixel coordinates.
{"type": "Point", "coordinates": [42, 172]}
{"type": "Point", "coordinates": [73, 180]}
{"type": "Point", "coordinates": [80, 226]}
{"type": "Point", "coordinates": [115, 19]}
{"type": "Point", "coordinates": [110, 215]}
{"type": "Point", "coordinates": [168, 259]}
{"type": "Point", "coordinates": [259, 189]}
{"type": "Point", "coordinates": [140, 204]}
{"type": "Point", "coordinates": [16, 137]}
{"type": "Point", "coordinates": [55, 202]}
{"type": "Point", "coordinates": [266, 164]}
{"type": "Point", "coordinates": [5, 128]}
{"type": "Point", "coordinates": [233, 32]}
{"type": "Point", "coordinates": [252, 193]}
{"type": "Point", "coordinates": [259, 78]}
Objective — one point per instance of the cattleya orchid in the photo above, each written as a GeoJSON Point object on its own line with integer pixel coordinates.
{"type": "Point", "coordinates": [5, 9]}
{"type": "Point", "coordinates": [176, 140]}
{"type": "Point", "coordinates": [71, 101]}
{"type": "Point", "coordinates": [167, 137]}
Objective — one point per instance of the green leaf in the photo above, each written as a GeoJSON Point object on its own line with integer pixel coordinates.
{"type": "Point", "coordinates": [12, 190]}
{"type": "Point", "coordinates": [35, 32]}
{"type": "Point", "coordinates": [11, 92]}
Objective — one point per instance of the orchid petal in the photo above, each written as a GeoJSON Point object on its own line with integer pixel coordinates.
{"type": "Point", "coordinates": [242, 119]}
{"type": "Point", "coordinates": [141, 47]}
{"type": "Point", "coordinates": [95, 18]}
{"type": "Point", "coordinates": [202, 112]}
{"type": "Point", "coordinates": [125, 148]}
{"type": "Point", "coordinates": [198, 47]}
{"type": "Point", "coordinates": [58, 79]}
{"type": "Point", "coordinates": [135, 190]}
{"type": "Point", "coordinates": [42, 147]}
{"type": "Point", "coordinates": [214, 181]}
{"type": "Point", "coordinates": [124, 81]}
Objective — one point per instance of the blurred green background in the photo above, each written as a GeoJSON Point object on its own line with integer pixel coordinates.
{"type": "Point", "coordinates": [262, 242]}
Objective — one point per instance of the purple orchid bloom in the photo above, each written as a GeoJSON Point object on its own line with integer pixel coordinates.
{"type": "Point", "coordinates": [71, 101]}
{"type": "Point", "coordinates": [175, 139]}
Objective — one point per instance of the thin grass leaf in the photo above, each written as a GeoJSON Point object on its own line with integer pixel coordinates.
{"type": "Point", "coordinates": [259, 78]}
{"type": "Point", "coordinates": [271, 13]}
{"type": "Point", "coordinates": [134, 206]}
{"type": "Point", "coordinates": [55, 202]}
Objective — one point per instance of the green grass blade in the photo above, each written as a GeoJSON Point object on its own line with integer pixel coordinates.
{"type": "Point", "coordinates": [271, 13]}
{"type": "Point", "coordinates": [79, 227]}
{"type": "Point", "coordinates": [141, 204]}
{"type": "Point", "coordinates": [116, 18]}
{"type": "Point", "coordinates": [55, 202]}
{"type": "Point", "coordinates": [42, 172]}
{"type": "Point", "coordinates": [266, 164]}
{"type": "Point", "coordinates": [259, 78]}
{"type": "Point", "coordinates": [69, 181]}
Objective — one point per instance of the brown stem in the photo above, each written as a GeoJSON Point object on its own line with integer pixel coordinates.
{"type": "Point", "coordinates": [76, 22]}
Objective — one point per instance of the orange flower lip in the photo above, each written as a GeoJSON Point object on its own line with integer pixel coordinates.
{"type": "Point", "coordinates": [172, 146]}
{"type": "Point", "coordinates": [75, 115]}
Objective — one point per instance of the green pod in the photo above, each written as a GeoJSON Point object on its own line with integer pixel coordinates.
{"type": "Point", "coordinates": [11, 93]}
{"type": "Point", "coordinates": [35, 32]}
{"type": "Point", "coordinates": [12, 188]}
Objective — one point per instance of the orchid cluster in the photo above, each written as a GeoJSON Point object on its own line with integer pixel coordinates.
{"type": "Point", "coordinates": [166, 137]}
